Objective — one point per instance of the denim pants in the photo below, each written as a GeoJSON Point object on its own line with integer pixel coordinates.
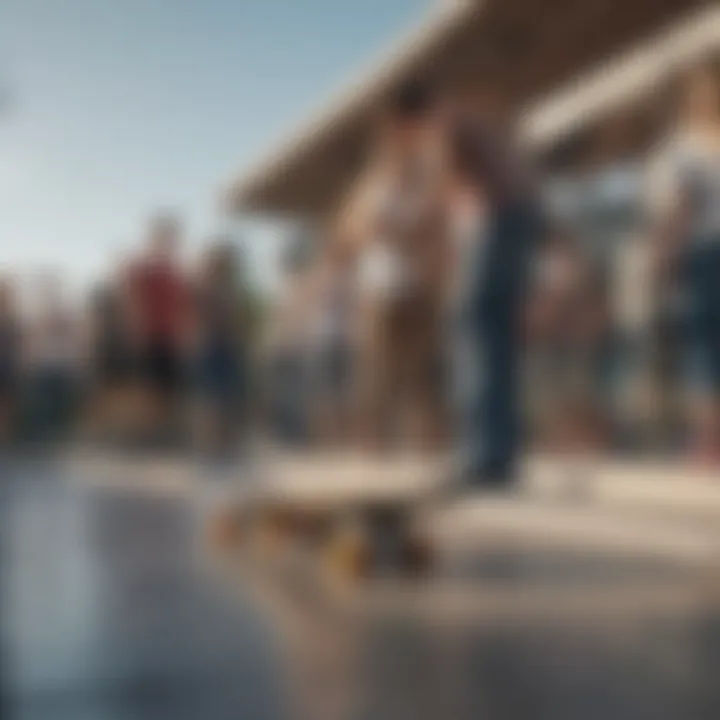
{"type": "Point", "coordinates": [487, 330]}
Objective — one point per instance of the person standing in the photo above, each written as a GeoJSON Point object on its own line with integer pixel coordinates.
{"type": "Point", "coordinates": [161, 307]}
{"type": "Point", "coordinates": [500, 222]}
{"type": "Point", "coordinates": [220, 348]}
{"type": "Point", "coordinates": [565, 322]}
{"type": "Point", "coordinates": [286, 353]}
{"type": "Point", "coordinates": [396, 220]}
{"type": "Point", "coordinates": [333, 342]}
{"type": "Point", "coordinates": [114, 362]}
{"type": "Point", "coordinates": [55, 359]}
{"type": "Point", "coordinates": [684, 207]}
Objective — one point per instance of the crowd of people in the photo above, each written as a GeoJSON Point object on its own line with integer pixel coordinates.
{"type": "Point", "coordinates": [443, 305]}
{"type": "Point", "coordinates": [403, 330]}
{"type": "Point", "coordinates": [447, 301]}
{"type": "Point", "coordinates": [155, 354]}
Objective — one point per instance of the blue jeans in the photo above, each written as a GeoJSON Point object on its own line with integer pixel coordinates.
{"type": "Point", "coordinates": [219, 373]}
{"type": "Point", "coordinates": [488, 328]}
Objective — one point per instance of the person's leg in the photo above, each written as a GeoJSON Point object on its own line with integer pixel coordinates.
{"type": "Point", "coordinates": [701, 353]}
{"type": "Point", "coordinates": [8, 406]}
{"type": "Point", "coordinates": [421, 369]}
{"type": "Point", "coordinates": [497, 425]}
{"type": "Point", "coordinates": [166, 388]}
{"type": "Point", "coordinates": [333, 371]}
{"type": "Point", "coordinates": [202, 406]}
{"type": "Point", "coordinates": [494, 412]}
{"type": "Point", "coordinates": [229, 397]}
{"type": "Point", "coordinates": [68, 401]}
{"type": "Point", "coordinates": [346, 389]}
{"type": "Point", "coordinates": [145, 396]}
{"type": "Point", "coordinates": [713, 331]}
{"type": "Point", "coordinates": [376, 360]}
{"type": "Point", "coordinates": [244, 399]}
{"type": "Point", "coordinates": [322, 407]}
{"type": "Point", "coordinates": [43, 405]}
{"type": "Point", "coordinates": [6, 417]}
{"type": "Point", "coordinates": [53, 403]}
{"type": "Point", "coordinates": [707, 402]}
{"type": "Point", "coordinates": [293, 401]}
{"type": "Point", "coordinates": [166, 379]}
{"type": "Point", "coordinates": [205, 425]}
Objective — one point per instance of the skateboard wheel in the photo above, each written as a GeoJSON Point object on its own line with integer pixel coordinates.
{"type": "Point", "coordinates": [349, 556]}
{"type": "Point", "coordinates": [418, 556]}
{"type": "Point", "coordinates": [270, 531]}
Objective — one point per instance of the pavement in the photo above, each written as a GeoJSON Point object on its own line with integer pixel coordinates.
{"type": "Point", "coordinates": [109, 613]}
{"type": "Point", "coordinates": [112, 607]}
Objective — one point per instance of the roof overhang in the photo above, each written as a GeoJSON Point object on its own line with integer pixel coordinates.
{"type": "Point", "coordinates": [627, 82]}
{"type": "Point", "coordinates": [508, 53]}
{"type": "Point", "coordinates": [351, 103]}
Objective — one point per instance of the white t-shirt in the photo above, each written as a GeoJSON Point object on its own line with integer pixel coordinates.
{"type": "Point", "coordinates": [396, 206]}
{"type": "Point", "coordinates": [383, 272]}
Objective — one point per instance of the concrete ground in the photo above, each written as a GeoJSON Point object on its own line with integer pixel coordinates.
{"type": "Point", "coordinates": [109, 614]}
{"type": "Point", "coordinates": [549, 606]}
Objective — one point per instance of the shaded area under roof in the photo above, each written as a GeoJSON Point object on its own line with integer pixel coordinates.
{"type": "Point", "coordinates": [507, 54]}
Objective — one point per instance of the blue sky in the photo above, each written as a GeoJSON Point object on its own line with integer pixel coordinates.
{"type": "Point", "coordinates": [121, 106]}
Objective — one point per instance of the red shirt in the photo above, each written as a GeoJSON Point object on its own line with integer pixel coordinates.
{"type": "Point", "coordinates": [161, 298]}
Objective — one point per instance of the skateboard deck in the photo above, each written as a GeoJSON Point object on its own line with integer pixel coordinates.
{"type": "Point", "coordinates": [357, 515]}
{"type": "Point", "coordinates": [362, 516]}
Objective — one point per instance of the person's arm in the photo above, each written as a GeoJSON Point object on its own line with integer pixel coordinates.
{"type": "Point", "coordinates": [355, 224]}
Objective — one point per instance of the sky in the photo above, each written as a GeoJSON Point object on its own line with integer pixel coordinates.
{"type": "Point", "coordinates": [118, 107]}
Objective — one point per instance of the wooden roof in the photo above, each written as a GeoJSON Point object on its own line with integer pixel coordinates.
{"type": "Point", "coordinates": [507, 53]}
{"type": "Point", "coordinates": [618, 108]}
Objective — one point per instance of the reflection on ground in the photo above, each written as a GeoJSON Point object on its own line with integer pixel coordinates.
{"type": "Point", "coordinates": [108, 615]}
{"type": "Point", "coordinates": [111, 611]}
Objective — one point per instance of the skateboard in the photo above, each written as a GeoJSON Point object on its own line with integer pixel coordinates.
{"type": "Point", "coordinates": [354, 520]}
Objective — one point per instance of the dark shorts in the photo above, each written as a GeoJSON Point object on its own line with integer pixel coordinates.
{"type": "Point", "coordinates": [116, 366]}
{"type": "Point", "coordinates": [218, 374]}
{"type": "Point", "coordinates": [162, 367]}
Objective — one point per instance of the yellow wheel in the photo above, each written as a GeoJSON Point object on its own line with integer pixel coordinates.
{"type": "Point", "coordinates": [348, 555]}
{"type": "Point", "coordinates": [271, 531]}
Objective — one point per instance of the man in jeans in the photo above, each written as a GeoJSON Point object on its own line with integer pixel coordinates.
{"type": "Point", "coordinates": [489, 305]}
